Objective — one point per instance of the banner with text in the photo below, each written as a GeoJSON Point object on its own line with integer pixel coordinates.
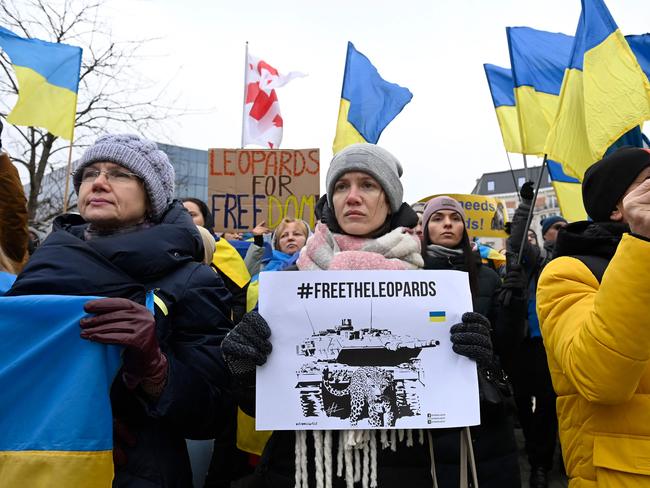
{"type": "Point", "coordinates": [248, 186]}
{"type": "Point", "coordinates": [484, 216]}
{"type": "Point", "coordinates": [363, 350]}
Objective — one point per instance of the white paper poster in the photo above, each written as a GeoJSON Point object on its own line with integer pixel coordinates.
{"type": "Point", "coordinates": [363, 350]}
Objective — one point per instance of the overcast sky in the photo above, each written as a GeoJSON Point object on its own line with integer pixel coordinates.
{"type": "Point", "coordinates": [445, 138]}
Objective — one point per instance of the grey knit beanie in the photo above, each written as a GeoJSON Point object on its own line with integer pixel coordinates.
{"type": "Point", "coordinates": [370, 159]}
{"type": "Point", "coordinates": [441, 203]}
{"type": "Point", "coordinates": [139, 156]}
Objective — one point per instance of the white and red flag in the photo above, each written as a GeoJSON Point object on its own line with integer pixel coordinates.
{"type": "Point", "coordinates": [262, 119]}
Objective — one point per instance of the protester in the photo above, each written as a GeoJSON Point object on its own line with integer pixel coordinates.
{"type": "Point", "coordinates": [131, 238]}
{"type": "Point", "coordinates": [14, 237]}
{"type": "Point", "coordinates": [529, 372]}
{"type": "Point", "coordinates": [418, 207]}
{"type": "Point", "coordinates": [446, 245]}
{"type": "Point", "coordinates": [550, 227]}
{"type": "Point", "coordinates": [225, 259]}
{"type": "Point", "coordinates": [367, 229]}
{"type": "Point", "coordinates": [593, 302]}
{"type": "Point", "coordinates": [199, 212]}
{"type": "Point", "coordinates": [287, 241]}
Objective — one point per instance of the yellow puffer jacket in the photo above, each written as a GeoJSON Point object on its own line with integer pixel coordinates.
{"type": "Point", "coordinates": [597, 339]}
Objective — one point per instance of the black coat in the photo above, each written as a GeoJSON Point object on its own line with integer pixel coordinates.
{"type": "Point", "coordinates": [493, 440]}
{"type": "Point", "coordinates": [162, 258]}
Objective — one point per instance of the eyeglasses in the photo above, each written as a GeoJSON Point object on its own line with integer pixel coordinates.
{"type": "Point", "coordinates": [113, 175]}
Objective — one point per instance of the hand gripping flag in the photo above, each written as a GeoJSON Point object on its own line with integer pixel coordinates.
{"type": "Point", "coordinates": [502, 91]}
{"type": "Point", "coordinates": [262, 120]}
{"type": "Point", "coordinates": [56, 426]}
{"type": "Point", "coordinates": [605, 93]}
{"type": "Point", "coordinates": [48, 82]}
{"type": "Point", "coordinates": [368, 102]}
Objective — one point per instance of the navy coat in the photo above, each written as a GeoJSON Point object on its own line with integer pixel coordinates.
{"type": "Point", "coordinates": [162, 258]}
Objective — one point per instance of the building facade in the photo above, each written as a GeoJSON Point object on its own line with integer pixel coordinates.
{"type": "Point", "coordinates": [506, 185]}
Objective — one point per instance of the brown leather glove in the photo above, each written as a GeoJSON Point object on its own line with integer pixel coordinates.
{"type": "Point", "coordinates": [122, 321]}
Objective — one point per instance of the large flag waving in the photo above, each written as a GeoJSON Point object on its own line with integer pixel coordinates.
{"type": "Point", "coordinates": [604, 94]}
{"type": "Point", "coordinates": [538, 61]}
{"type": "Point", "coordinates": [502, 91]}
{"type": "Point", "coordinates": [48, 81]}
{"type": "Point", "coordinates": [262, 120]}
{"type": "Point", "coordinates": [368, 102]}
{"type": "Point", "coordinates": [56, 426]}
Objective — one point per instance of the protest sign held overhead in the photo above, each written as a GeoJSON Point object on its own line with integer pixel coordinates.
{"type": "Point", "coordinates": [486, 216]}
{"type": "Point", "coordinates": [369, 349]}
{"type": "Point", "coordinates": [250, 186]}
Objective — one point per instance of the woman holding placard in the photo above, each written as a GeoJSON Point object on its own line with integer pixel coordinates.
{"type": "Point", "coordinates": [446, 245]}
{"type": "Point", "coordinates": [364, 226]}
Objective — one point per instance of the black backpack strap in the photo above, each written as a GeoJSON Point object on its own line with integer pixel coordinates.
{"type": "Point", "coordinates": [596, 264]}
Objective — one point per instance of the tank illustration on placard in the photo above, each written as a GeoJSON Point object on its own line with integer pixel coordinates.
{"type": "Point", "coordinates": [361, 374]}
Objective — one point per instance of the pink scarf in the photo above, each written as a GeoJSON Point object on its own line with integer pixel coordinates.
{"type": "Point", "coordinates": [396, 250]}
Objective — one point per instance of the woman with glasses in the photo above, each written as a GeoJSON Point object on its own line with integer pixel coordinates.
{"type": "Point", "coordinates": [130, 239]}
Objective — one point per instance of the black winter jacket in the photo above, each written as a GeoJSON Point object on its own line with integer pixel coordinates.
{"type": "Point", "coordinates": [493, 440]}
{"type": "Point", "coordinates": [162, 258]}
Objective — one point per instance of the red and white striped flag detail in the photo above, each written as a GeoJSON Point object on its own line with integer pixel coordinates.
{"type": "Point", "coordinates": [262, 119]}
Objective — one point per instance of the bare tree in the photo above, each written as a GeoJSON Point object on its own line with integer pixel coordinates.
{"type": "Point", "coordinates": [112, 93]}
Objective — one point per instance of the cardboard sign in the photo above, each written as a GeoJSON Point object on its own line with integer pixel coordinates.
{"type": "Point", "coordinates": [485, 216]}
{"type": "Point", "coordinates": [248, 186]}
{"type": "Point", "coordinates": [365, 350]}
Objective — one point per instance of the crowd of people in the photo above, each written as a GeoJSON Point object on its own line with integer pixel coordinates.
{"type": "Point", "coordinates": [560, 325]}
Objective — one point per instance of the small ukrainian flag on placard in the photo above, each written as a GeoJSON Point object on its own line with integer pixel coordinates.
{"type": "Point", "coordinates": [437, 316]}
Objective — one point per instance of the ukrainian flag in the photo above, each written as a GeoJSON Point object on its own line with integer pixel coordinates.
{"type": "Point", "coordinates": [56, 426]}
{"type": "Point", "coordinates": [538, 61]}
{"type": "Point", "coordinates": [503, 97]}
{"type": "Point", "coordinates": [569, 193]}
{"type": "Point", "coordinates": [605, 93]}
{"type": "Point", "coordinates": [368, 102]}
{"type": "Point", "coordinates": [437, 316]}
{"type": "Point", "coordinates": [48, 81]}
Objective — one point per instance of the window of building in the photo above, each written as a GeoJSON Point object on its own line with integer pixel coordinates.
{"type": "Point", "coordinates": [490, 185]}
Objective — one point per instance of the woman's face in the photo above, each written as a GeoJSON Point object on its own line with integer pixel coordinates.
{"type": "Point", "coordinates": [195, 213]}
{"type": "Point", "coordinates": [446, 228]}
{"type": "Point", "coordinates": [113, 198]}
{"type": "Point", "coordinates": [359, 203]}
{"type": "Point", "coordinates": [292, 238]}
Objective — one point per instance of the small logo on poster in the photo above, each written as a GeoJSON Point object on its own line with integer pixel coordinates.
{"type": "Point", "coordinates": [437, 316]}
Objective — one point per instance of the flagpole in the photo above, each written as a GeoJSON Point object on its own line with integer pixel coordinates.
{"type": "Point", "coordinates": [67, 178]}
{"type": "Point", "coordinates": [532, 210]}
{"type": "Point", "coordinates": [512, 172]}
{"type": "Point", "coordinates": [243, 109]}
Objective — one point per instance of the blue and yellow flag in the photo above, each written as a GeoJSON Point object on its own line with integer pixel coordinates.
{"type": "Point", "coordinates": [368, 102]}
{"type": "Point", "coordinates": [503, 97]}
{"type": "Point", "coordinates": [56, 426]}
{"type": "Point", "coordinates": [538, 61]}
{"type": "Point", "coordinates": [605, 93]}
{"type": "Point", "coordinates": [569, 193]}
{"type": "Point", "coordinates": [48, 81]}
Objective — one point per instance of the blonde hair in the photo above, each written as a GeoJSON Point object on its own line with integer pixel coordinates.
{"type": "Point", "coordinates": [280, 229]}
{"type": "Point", "coordinates": [209, 244]}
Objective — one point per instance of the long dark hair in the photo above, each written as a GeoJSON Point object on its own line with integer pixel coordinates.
{"type": "Point", "coordinates": [470, 262]}
{"type": "Point", "coordinates": [208, 222]}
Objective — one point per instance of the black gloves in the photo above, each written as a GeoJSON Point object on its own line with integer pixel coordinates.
{"type": "Point", "coordinates": [471, 338]}
{"type": "Point", "coordinates": [514, 284]}
{"type": "Point", "coordinates": [527, 191]}
{"type": "Point", "coordinates": [247, 345]}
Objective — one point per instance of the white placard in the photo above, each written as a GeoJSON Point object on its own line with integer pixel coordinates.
{"type": "Point", "coordinates": [363, 350]}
